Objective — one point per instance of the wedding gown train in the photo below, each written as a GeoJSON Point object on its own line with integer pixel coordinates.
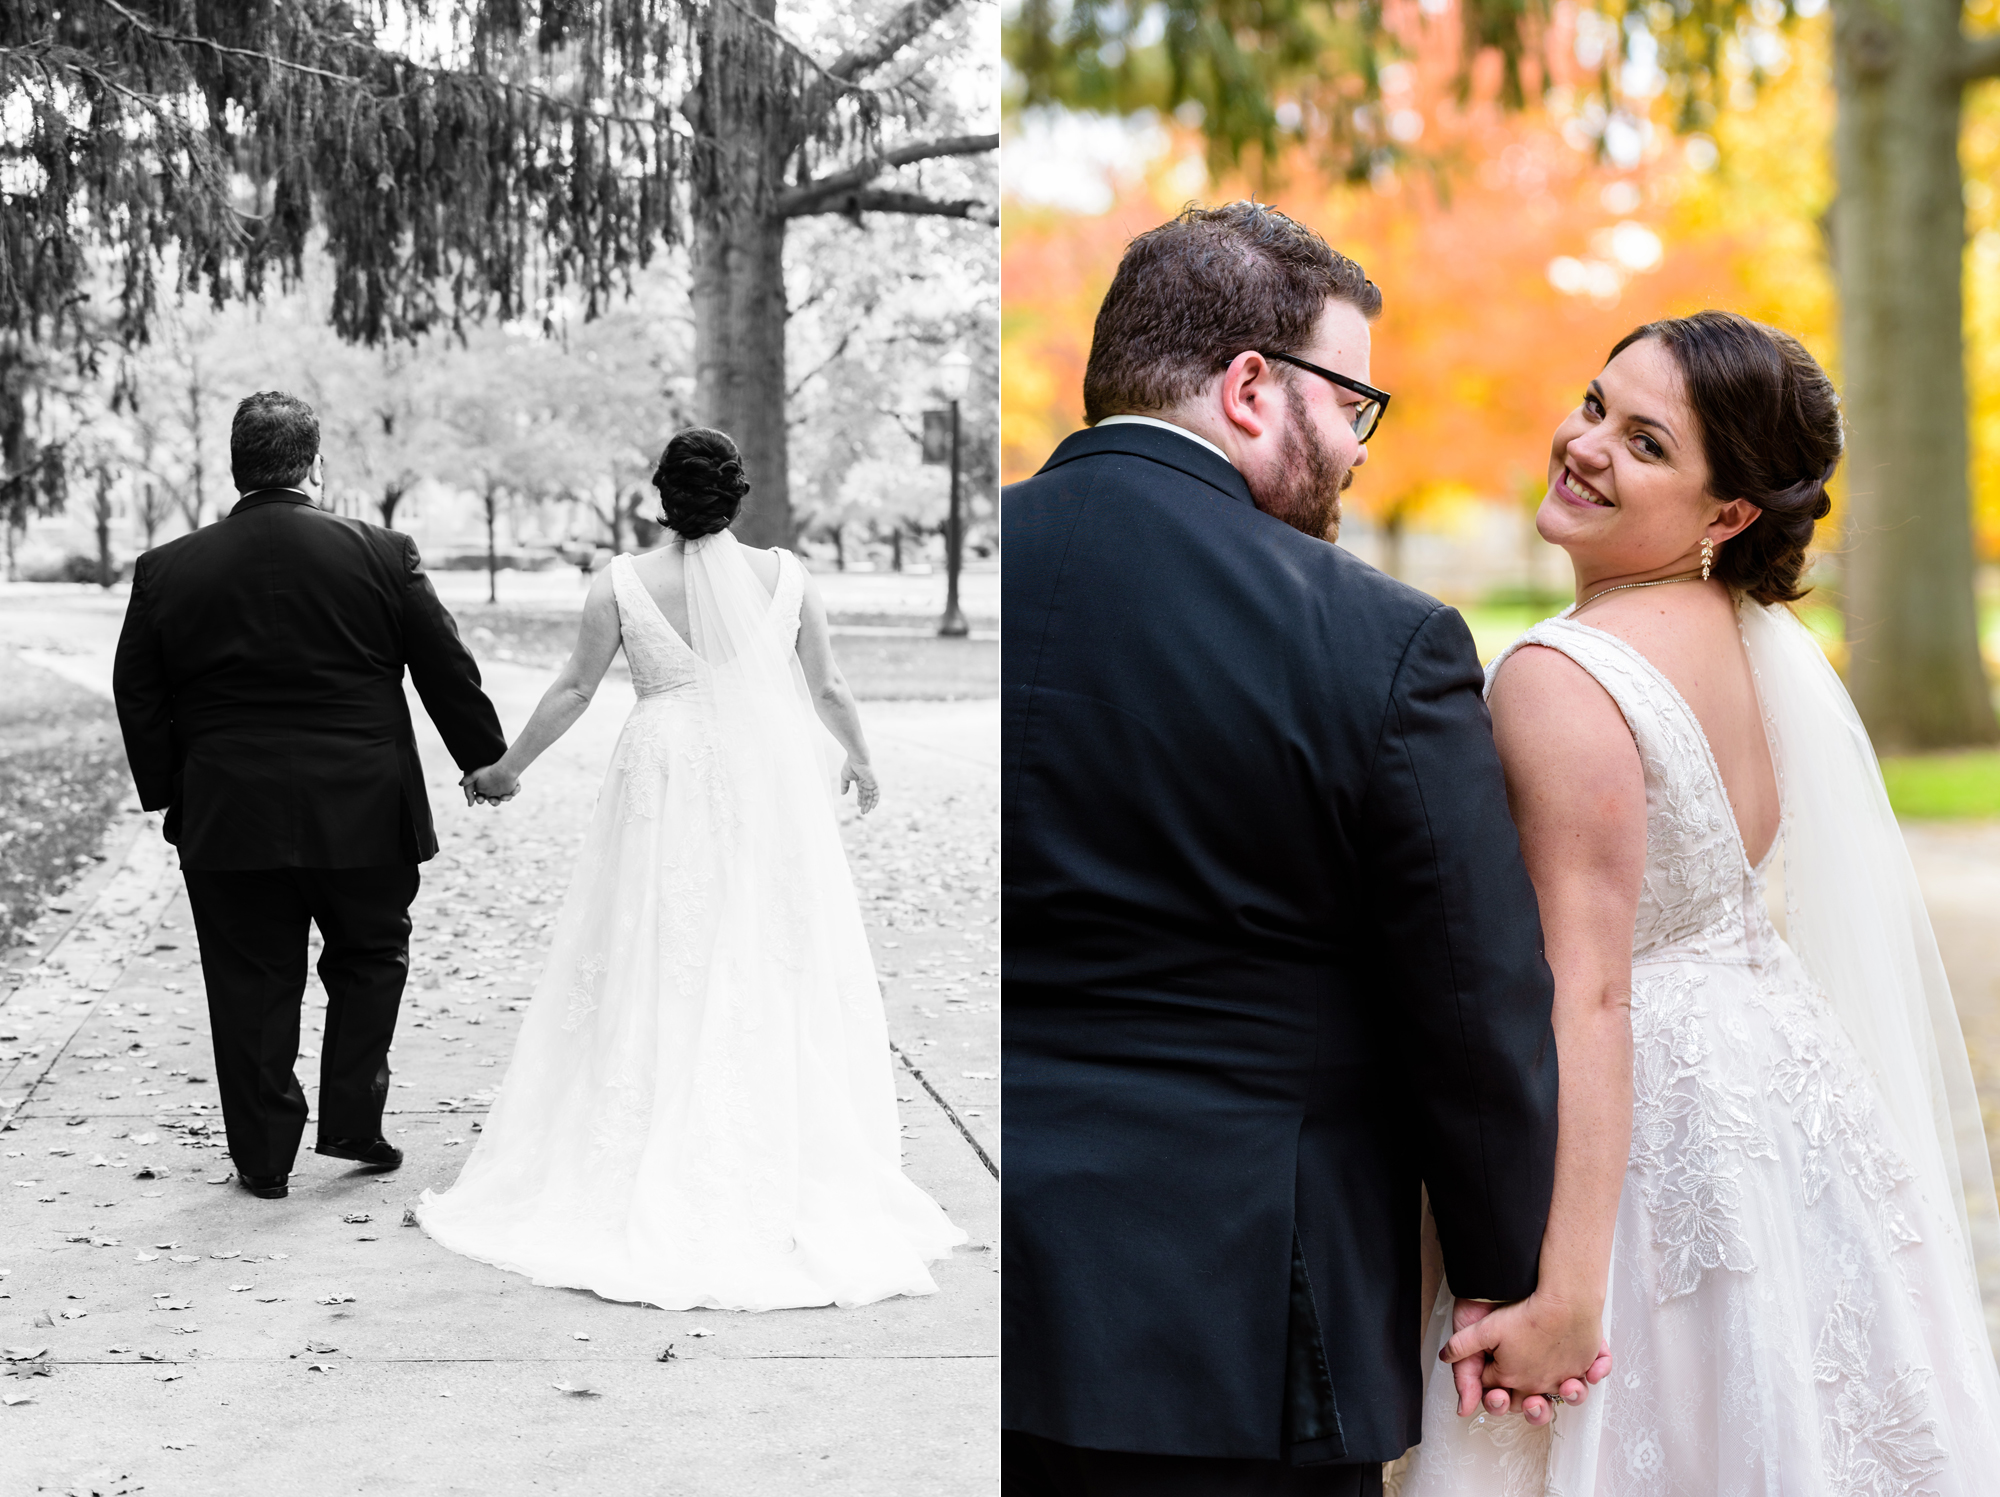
{"type": "Point", "coordinates": [700, 1109]}
{"type": "Point", "coordinates": [1791, 1308]}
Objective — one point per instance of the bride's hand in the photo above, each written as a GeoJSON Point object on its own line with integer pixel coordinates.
{"type": "Point", "coordinates": [1529, 1344]}
{"type": "Point", "coordinates": [490, 786]}
{"type": "Point", "coordinates": [867, 792]}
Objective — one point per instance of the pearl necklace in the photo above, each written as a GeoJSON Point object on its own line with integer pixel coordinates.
{"type": "Point", "coordinates": [1656, 582]}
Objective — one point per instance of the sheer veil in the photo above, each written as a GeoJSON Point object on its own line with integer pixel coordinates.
{"type": "Point", "coordinates": [1856, 918]}
{"type": "Point", "coordinates": [755, 675]}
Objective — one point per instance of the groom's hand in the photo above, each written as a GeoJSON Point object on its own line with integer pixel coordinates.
{"type": "Point", "coordinates": [1517, 1351]}
{"type": "Point", "coordinates": [489, 786]}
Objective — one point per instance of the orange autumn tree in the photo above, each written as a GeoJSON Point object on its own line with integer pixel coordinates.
{"type": "Point", "coordinates": [1511, 258]}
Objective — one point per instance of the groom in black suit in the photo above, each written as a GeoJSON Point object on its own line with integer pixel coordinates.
{"type": "Point", "coordinates": [259, 682]}
{"type": "Point", "coordinates": [1272, 961]}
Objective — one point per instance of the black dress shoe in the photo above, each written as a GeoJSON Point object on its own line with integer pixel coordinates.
{"type": "Point", "coordinates": [375, 1154]}
{"type": "Point", "coordinates": [269, 1187]}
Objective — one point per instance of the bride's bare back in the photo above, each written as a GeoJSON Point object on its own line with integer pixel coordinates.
{"type": "Point", "coordinates": [1690, 635]}
{"type": "Point", "coordinates": [664, 574]}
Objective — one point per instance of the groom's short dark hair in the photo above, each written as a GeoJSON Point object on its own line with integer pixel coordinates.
{"type": "Point", "coordinates": [1192, 294]}
{"type": "Point", "coordinates": [272, 441]}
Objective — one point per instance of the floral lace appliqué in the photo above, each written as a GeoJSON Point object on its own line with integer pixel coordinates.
{"type": "Point", "coordinates": [1690, 1135]}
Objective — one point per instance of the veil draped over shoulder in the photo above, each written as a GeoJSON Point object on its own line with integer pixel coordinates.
{"type": "Point", "coordinates": [755, 674]}
{"type": "Point", "coordinates": [1856, 918]}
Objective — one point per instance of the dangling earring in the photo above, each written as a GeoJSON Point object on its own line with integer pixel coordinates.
{"type": "Point", "coordinates": [1707, 557]}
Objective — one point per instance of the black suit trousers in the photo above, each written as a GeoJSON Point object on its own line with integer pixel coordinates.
{"type": "Point", "coordinates": [252, 925]}
{"type": "Point", "coordinates": [1031, 1466]}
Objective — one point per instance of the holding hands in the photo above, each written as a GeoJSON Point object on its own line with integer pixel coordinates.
{"type": "Point", "coordinates": [1532, 1344]}
{"type": "Point", "coordinates": [490, 786]}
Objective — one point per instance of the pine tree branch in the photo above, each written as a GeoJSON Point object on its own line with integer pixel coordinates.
{"type": "Point", "coordinates": [856, 202]}
{"type": "Point", "coordinates": [1978, 57]}
{"type": "Point", "coordinates": [350, 80]}
{"type": "Point", "coordinates": [896, 33]}
{"type": "Point", "coordinates": [810, 197]}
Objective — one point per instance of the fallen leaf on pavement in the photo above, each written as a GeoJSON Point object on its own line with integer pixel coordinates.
{"type": "Point", "coordinates": [232, 1253]}
{"type": "Point", "coordinates": [321, 1348]}
{"type": "Point", "coordinates": [579, 1335]}
{"type": "Point", "coordinates": [241, 1288]}
{"type": "Point", "coordinates": [697, 1333]}
{"type": "Point", "coordinates": [14, 1399]}
{"type": "Point", "coordinates": [171, 1375]}
{"type": "Point", "coordinates": [318, 1367]}
{"type": "Point", "coordinates": [575, 1391]}
{"type": "Point", "coordinates": [667, 1355]}
{"type": "Point", "coordinates": [21, 1353]}
{"type": "Point", "coordinates": [410, 1220]}
{"type": "Point", "coordinates": [356, 1218]}
{"type": "Point", "coordinates": [145, 1257]}
{"type": "Point", "coordinates": [186, 1258]}
{"type": "Point", "coordinates": [218, 1179]}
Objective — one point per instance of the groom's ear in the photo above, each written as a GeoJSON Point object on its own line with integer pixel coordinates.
{"type": "Point", "coordinates": [1247, 393]}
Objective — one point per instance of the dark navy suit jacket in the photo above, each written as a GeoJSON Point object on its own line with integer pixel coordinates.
{"type": "Point", "coordinates": [259, 681]}
{"type": "Point", "coordinates": [1271, 961]}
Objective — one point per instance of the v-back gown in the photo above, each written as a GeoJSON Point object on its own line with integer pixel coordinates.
{"type": "Point", "coordinates": [700, 1109]}
{"type": "Point", "coordinates": [1777, 1308]}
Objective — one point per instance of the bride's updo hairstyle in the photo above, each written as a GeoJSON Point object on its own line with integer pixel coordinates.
{"type": "Point", "coordinates": [701, 482]}
{"type": "Point", "coordinates": [1770, 428]}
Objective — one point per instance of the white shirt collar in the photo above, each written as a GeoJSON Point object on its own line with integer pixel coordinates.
{"type": "Point", "coordinates": [1166, 426]}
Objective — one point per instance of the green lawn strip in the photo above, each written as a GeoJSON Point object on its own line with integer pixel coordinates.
{"type": "Point", "coordinates": [62, 774]}
{"type": "Point", "coordinates": [1944, 787]}
{"type": "Point", "coordinates": [879, 667]}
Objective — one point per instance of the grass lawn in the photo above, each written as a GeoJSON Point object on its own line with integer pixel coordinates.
{"type": "Point", "coordinates": [879, 668]}
{"type": "Point", "coordinates": [62, 774]}
{"type": "Point", "coordinates": [1961, 786]}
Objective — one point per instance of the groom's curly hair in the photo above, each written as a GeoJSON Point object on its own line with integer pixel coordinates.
{"type": "Point", "coordinates": [1192, 294]}
{"type": "Point", "coordinates": [272, 441]}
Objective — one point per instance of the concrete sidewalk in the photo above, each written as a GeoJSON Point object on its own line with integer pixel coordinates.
{"type": "Point", "coordinates": [172, 1334]}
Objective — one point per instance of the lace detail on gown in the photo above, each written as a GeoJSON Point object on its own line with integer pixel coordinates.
{"type": "Point", "coordinates": [1775, 1306]}
{"type": "Point", "coordinates": [700, 1108]}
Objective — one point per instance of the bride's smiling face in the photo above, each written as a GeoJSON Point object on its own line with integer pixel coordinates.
{"type": "Point", "coordinates": [1628, 479]}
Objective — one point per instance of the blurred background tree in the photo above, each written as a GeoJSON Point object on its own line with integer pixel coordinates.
{"type": "Point", "coordinates": [460, 162]}
{"type": "Point", "coordinates": [1377, 96]}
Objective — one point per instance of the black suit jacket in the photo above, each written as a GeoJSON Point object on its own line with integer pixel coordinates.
{"type": "Point", "coordinates": [259, 681]}
{"type": "Point", "coordinates": [1271, 960]}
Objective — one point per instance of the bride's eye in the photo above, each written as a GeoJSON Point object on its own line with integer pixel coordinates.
{"type": "Point", "coordinates": [1593, 405]}
{"type": "Point", "coordinates": [1649, 447]}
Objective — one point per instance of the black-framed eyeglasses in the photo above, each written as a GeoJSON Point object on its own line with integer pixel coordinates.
{"type": "Point", "coordinates": [1367, 415]}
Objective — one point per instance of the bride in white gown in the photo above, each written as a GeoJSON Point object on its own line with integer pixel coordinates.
{"type": "Point", "coordinates": [700, 1109]}
{"type": "Point", "coordinates": [1773, 1192]}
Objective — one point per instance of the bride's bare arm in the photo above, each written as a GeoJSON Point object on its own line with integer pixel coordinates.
{"type": "Point", "coordinates": [831, 698]}
{"type": "Point", "coordinates": [563, 703]}
{"type": "Point", "coordinates": [1578, 795]}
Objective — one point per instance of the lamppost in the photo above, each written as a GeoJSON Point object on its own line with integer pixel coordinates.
{"type": "Point", "coordinates": [954, 371]}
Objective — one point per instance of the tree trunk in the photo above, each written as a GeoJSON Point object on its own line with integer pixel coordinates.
{"type": "Point", "coordinates": [838, 533]}
{"type": "Point", "coordinates": [1392, 542]}
{"type": "Point", "coordinates": [492, 558]}
{"type": "Point", "coordinates": [738, 261]}
{"type": "Point", "coordinates": [103, 517]}
{"type": "Point", "coordinates": [1899, 244]}
{"type": "Point", "coordinates": [896, 549]}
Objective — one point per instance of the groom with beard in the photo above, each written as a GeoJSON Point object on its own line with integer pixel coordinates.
{"type": "Point", "coordinates": [1272, 962]}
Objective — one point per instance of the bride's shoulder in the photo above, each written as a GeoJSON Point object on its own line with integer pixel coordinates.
{"type": "Point", "coordinates": [1541, 691]}
{"type": "Point", "coordinates": [764, 566]}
